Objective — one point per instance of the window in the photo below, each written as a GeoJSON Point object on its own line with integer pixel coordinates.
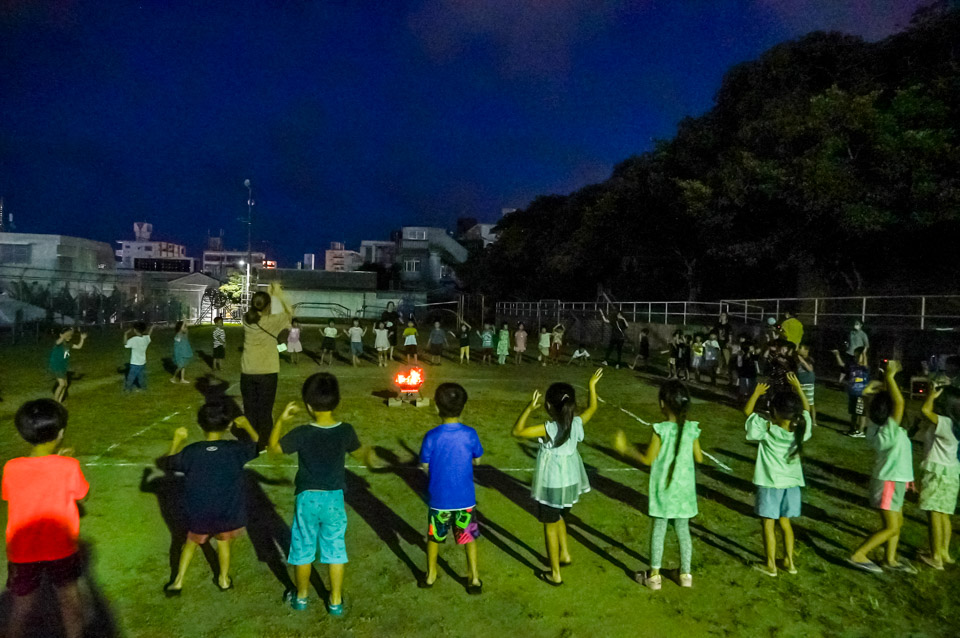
{"type": "Point", "coordinates": [411, 265]}
{"type": "Point", "coordinates": [416, 234]}
{"type": "Point", "coordinates": [148, 249]}
{"type": "Point", "coordinates": [15, 253]}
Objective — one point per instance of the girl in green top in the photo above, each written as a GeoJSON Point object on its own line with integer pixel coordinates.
{"type": "Point", "coordinates": [892, 471]}
{"type": "Point", "coordinates": [560, 477]}
{"type": "Point", "coordinates": [503, 344]}
{"type": "Point", "coordinates": [674, 447]}
{"type": "Point", "coordinates": [940, 477]}
{"type": "Point", "coordinates": [778, 474]}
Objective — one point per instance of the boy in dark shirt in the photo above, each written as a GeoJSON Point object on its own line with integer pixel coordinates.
{"type": "Point", "coordinates": [747, 369]}
{"type": "Point", "coordinates": [320, 521]}
{"type": "Point", "coordinates": [858, 378]}
{"type": "Point", "coordinates": [214, 493]}
{"type": "Point", "coordinates": [448, 454]}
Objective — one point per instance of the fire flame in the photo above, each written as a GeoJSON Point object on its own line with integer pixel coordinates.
{"type": "Point", "coordinates": [410, 381]}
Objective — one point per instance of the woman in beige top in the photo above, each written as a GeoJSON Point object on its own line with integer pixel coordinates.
{"type": "Point", "coordinates": [260, 362]}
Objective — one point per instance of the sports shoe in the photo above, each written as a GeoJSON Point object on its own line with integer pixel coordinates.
{"type": "Point", "coordinates": [290, 598]}
{"type": "Point", "coordinates": [686, 580]}
{"type": "Point", "coordinates": [857, 435]}
{"type": "Point", "coordinates": [652, 582]}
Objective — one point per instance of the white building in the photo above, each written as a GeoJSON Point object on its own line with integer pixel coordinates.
{"type": "Point", "coordinates": [220, 263]}
{"type": "Point", "coordinates": [142, 253]}
{"type": "Point", "coordinates": [339, 259]}
{"type": "Point", "coordinates": [383, 253]}
{"type": "Point", "coordinates": [481, 234]}
{"type": "Point", "coordinates": [427, 257]}
{"type": "Point", "coordinates": [56, 261]}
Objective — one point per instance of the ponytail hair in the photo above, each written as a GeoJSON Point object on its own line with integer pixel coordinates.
{"type": "Point", "coordinates": [676, 398]}
{"type": "Point", "coordinates": [258, 304]}
{"type": "Point", "coordinates": [881, 407]}
{"type": "Point", "coordinates": [948, 405]}
{"type": "Point", "coordinates": [561, 403]}
{"type": "Point", "coordinates": [787, 405]}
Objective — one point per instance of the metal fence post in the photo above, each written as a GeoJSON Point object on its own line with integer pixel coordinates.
{"type": "Point", "coordinates": [863, 311]}
{"type": "Point", "coordinates": [684, 313]}
{"type": "Point", "coordinates": [923, 312]}
{"type": "Point", "coordinates": [816, 308]}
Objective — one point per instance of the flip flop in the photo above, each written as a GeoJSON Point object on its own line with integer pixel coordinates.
{"type": "Point", "coordinates": [903, 567]}
{"type": "Point", "coordinates": [545, 577]}
{"type": "Point", "coordinates": [423, 584]}
{"type": "Point", "coordinates": [475, 590]}
{"type": "Point", "coordinates": [928, 559]}
{"type": "Point", "coordinates": [869, 566]}
{"type": "Point", "coordinates": [171, 593]}
{"type": "Point", "coordinates": [765, 571]}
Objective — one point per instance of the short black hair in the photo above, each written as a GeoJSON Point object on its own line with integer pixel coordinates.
{"type": "Point", "coordinates": [450, 398]}
{"type": "Point", "coordinates": [321, 392]}
{"type": "Point", "coordinates": [64, 330]}
{"type": "Point", "coordinates": [40, 421]}
{"type": "Point", "coordinates": [214, 417]}
{"type": "Point", "coordinates": [140, 326]}
{"type": "Point", "coordinates": [217, 318]}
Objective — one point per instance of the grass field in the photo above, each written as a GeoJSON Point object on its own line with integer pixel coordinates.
{"type": "Point", "coordinates": [132, 525]}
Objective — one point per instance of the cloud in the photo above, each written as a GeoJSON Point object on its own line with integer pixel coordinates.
{"type": "Point", "coordinates": [530, 38]}
{"type": "Point", "coordinates": [871, 19]}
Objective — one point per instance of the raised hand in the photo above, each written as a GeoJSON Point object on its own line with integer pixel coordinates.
{"type": "Point", "coordinates": [620, 443]}
{"type": "Point", "coordinates": [596, 377]}
{"type": "Point", "coordinates": [290, 411]}
{"type": "Point", "coordinates": [793, 380]}
{"type": "Point", "coordinates": [893, 367]}
{"type": "Point", "coordinates": [535, 400]}
{"type": "Point", "coordinates": [180, 434]}
{"type": "Point", "coordinates": [762, 388]}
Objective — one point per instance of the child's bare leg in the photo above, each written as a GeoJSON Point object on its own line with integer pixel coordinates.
{"type": "Point", "coordinates": [71, 610]}
{"type": "Point", "coordinates": [946, 533]}
{"type": "Point", "coordinates": [562, 541]}
{"type": "Point", "coordinates": [935, 541]}
{"type": "Point", "coordinates": [301, 576]}
{"type": "Point", "coordinates": [553, 550]}
{"type": "Point", "coordinates": [336, 583]}
{"type": "Point", "coordinates": [894, 539]}
{"type": "Point", "coordinates": [432, 550]}
{"type": "Point", "coordinates": [19, 610]}
{"type": "Point", "coordinates": [473, 573]}
{"type": "Point", "coordinates": [186, 555]}
{"type": "Point", "coordinates": [60, 391]}
{"type": "Point", "coordinates": [770, 543]}
{"type": "Point", "coordinates": [223, 557]}
{"type": "Point", "coordinates": [890, 528]}
{"type": "Point", "coordinates": [787, 528]}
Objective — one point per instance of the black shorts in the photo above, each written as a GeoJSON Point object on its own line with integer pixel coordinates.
{"type": "Point", "coordinates": [436, 349]}
{"type": "Point", "coordinates": [856, 406]}
{"type": "Point", "coordinates": [410, 349]}
{"type": "Point", "coordinates": [219, 352]}
{"type": "Point", "coordinates": [329, 343]}
{"type": "Point", "coordinates": [550, 514]}
{"type": "Point", "coordinates": [24, 578]}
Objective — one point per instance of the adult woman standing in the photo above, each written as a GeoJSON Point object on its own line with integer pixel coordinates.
{"type": "Point", "coordinates": [260, 362]}
{"type": "Point", "coordinates": [391, 318]}
{"type": "Point", "coordinates": [724, 332]}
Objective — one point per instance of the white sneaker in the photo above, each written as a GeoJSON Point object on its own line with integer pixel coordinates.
{"type": "Point", "coordinates": [686, 580]}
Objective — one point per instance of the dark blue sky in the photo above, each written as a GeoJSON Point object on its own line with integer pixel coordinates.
{"type": "Point", "coordinates": [351, 117]}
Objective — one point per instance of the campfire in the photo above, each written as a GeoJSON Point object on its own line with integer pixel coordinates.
{"type": "Point", "coordinates": [409, 383]}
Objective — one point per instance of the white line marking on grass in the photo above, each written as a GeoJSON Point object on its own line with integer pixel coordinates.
{"type": "Point", "coordinates": [117, 444]}
{"type": "Point", "coordinates": [96, 463]}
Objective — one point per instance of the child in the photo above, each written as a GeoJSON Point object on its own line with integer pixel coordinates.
{"type": "Point", "coordinates": [43, 521]}
{"type": "Point", "coordinates": [294, 347]}
{"type": "Point", "coordinates": [355, 333]}
{"type": "Point", "coordinates": [748, 368]}
{"type": "Point", "coordinates": [940, 477]}
{"type": "Point", "coordinates": [182, 352]}
{"type": "Point", "coordinates": [778, 474]}
{"type": "Point", "coordinates": [544, 346]}
{"type": "Point", "coordinates": [892, 471]}
{"type": "Point", "coordinates": [674, 447]}
{"type": "Point", "coordinates": [438, 340]}
{"type": "Point", "coordinates": [858, 378]}
{"type": "Point", "coordinates": [782, 362]}
{"type": "Point", "coordinates": [673, 355]}
{"type": "Point", "coordinates": [219, 343]}
{"type": "Point", "coordinates": [410, 342]}
{"type": "Point", "coordinates": [329, 344]}
{"type": "Point", "coordinates": [807, 378]}
{"type": "Point", "coordinates": [643, 349]}
{"type": "Point", "coordinates": [696, 355]}
{"type": "Point", "coordinates": [137, 343]}
{"type": "Point", "coordinates": [580, 355]}
{"type": "Point", "coordinates": [464, 339]}
{"type": "Point", "coordinates": [448, 454]}
{"type": "Point", "coordinates": [711, 357]}
{"type": "Point", "coordinates": [503, 343]}
{"type": "Point", "coordinates": [486, 343]}
{"type": "Point", "coordinates": [520, 342]}
{"type": "Point", "coordinates": [213, 487]}
{"type": "Point", "coordinates": [320, 522]}
{"type": "Point", "coordinates": [382, 343]}
{"type": "Point", "coordinates": [683, 358]}
{"type": "Point", "coordinates": [60, 361]}
{"type": "Point", "coordinates": [556, 342]}
{"type": "Point", "coordinates": [560, 477]}
{"type": "Point", "coordinates": [736, 347]}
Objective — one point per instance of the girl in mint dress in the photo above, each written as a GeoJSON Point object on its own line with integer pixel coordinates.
{"type": "Point", "coordinates": [673, 449]}
{"type": "Point", "coordinates": [560, 477]}
{"type": "Point", "coordinates": [503, 344]}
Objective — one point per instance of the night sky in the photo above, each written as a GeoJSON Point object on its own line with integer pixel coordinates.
{"type": "Point", "coordinates": [352, 118]}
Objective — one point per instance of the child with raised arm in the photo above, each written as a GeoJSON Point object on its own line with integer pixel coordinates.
{"type": "Point", "coordinates": [329, 344]}
{"type": "Point", "coordinates": [940, 471]}
{"type": "Point", "coordinates": [892, 471]}
{"type": "Point", "coordinates": [219, 343]}
{"type": "Point", "coordinates": [858, 378]}
{"type": "Point", "coordinates": [43, 521]}
{"type": "Point", "coordinates": [448, 454]}
{"type": "Point", "coordinates": [381, 343]}
{"type": "Point", "coordinates": [137, 339]}
{"type": "Point", "coordinates": [486, 343]}
{"type": "Point", "coordinates": [213, 487]}
{"type": "Point", "coordinates": [355, 334]}
{"type": "Point", "coordinates": [437, 342]}
{"type": "Point", "coordinates": [543, 345]}
{"type": "Point", "coordinates": [59, 361]}
{"type": "Point", "coordinates": [643, 350]}
{"type": "Point", "coordinates": [319, 522]}
{"type": "Point", "coordinates": [778, 473]}
{"type": "Point", "coordinates": [410, 335]}
{"type": "Point", "coordinates": [464, 341]}
{"type": "Point", "coordinates": [556, 342]}
{"type": "Point", "coordinates": [559, 478]}
{"type": "Point", "coordinates": [674, 448]}
{"type": "Point", "coordinates": [807, 377]}
{"type": "Point", "coordinates": [182, 352]}
{"type": "Point", "coordinates": [520, 342]}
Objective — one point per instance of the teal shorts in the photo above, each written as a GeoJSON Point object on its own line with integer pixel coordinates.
{"type": "Point", "coordinates": [319, 526]}
{"type": "Point", "coordinates": [887, 495]}
{"type": "Point", "coordinates": [775, 503]}
{"type": "Point", "coordinates": [938, 491]}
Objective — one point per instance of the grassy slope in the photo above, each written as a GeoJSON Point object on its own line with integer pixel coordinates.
{"type": "Point", "coordinates": [116, 436]}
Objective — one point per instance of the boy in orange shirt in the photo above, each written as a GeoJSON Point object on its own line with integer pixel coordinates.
{"type": "Point", "coordinates": [43, 521]}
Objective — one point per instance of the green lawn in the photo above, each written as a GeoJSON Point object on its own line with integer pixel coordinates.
{"type": "Point", "coordinates": [131, 508]}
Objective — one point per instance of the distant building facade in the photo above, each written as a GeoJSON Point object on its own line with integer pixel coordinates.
{"type": "Point", "coordinates": [427, 257]}
{"type": "Point", "coordinates": [142, 253]}
{"type": "Point", "coordinates": [339, 259]}
{"type": "Point", "coordinates": [57, 261]}
{"type": "Point", "coordinates": [380, 253]}
{"type": "Point", "coordinates": [220, 263]}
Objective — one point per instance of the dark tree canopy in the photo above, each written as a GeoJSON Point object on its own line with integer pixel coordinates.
{"type": "Point", "coordinates": [829, 165]}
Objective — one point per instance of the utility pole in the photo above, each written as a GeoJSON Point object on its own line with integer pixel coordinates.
{"type": "Point", "coordinates": [249, 222]}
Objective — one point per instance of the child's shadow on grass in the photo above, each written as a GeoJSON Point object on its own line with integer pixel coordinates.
{"type": "Point", "coordinates": [206, 357]}
{"type": "Point", "coordinates": [44, 621]}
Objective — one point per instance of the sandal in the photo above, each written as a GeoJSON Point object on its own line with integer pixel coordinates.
{"type": "Point", "coordinates": [290, 598]}
{"type": "Point", "coordinates": [868, 566]}
{"type": "Point", "coordinates": [227, 588]}
{"type": "Point", "coordinates": [335, 610]}
{"type": "Point", "coordinates": [169, 592]}
{"type": "Point", "coordinates": [545, 577]}
{"type": "Point", "coordinates": [903, 567]}
{"type": "Point", "coordinates": [475, 590]}
{"type": "Point", "coordinates": [931, 561]}
{"type": "Point", "coordinates": [763, 569]}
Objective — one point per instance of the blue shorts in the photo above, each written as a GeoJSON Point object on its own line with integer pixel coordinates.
{"type": "Point", "coordinates": [774, 503]}
{"type": "Point", "coordinates": [356, 347]}
{"type": "Point", "coordinates": [319, 523]}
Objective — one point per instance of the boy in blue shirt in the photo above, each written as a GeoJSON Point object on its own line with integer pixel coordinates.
{"type": "Point", "coordinates": [448, 454]}
{"type": "Point", "coordinates": [858, 378]}
{"type": "Point", "coordinates": [320, 521]}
